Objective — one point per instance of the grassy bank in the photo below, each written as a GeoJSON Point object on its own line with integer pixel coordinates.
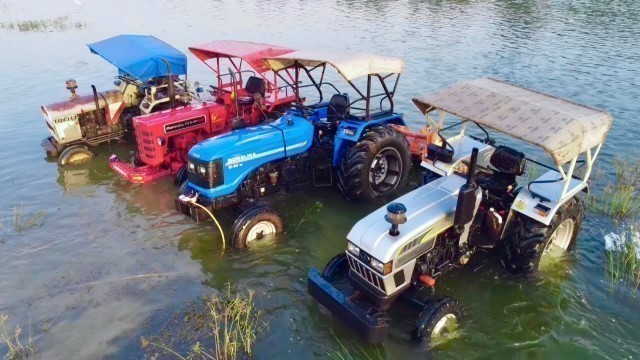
{"type": "Point", "coordinates": [620, 198]}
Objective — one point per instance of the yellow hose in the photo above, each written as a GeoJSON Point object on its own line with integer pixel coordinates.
{"type": "Point", "coordinates": [216, 221]}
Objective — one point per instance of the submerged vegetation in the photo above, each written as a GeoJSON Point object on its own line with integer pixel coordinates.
{"type": "Point", "coordinates": [229, 323]}
{"type": "Point", "coordinates": [621, 198]}
{"type": "Point", "coordinates": [18, 347]}
{"type": "Point", "coordinates": [623, 258]}
{"type": "Point", "coordinates": [20, 221]}
{"type": "Point", "coordinates": [347, 353]}
{"type": "Point", "coordinates": [60, 23]}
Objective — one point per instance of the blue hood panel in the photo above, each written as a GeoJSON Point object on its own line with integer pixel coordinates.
{"type": "Point", "coordinates": [244, 150]}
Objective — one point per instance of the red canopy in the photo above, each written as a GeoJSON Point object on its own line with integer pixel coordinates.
{"type": "Point", "coordinates": [252, 53]}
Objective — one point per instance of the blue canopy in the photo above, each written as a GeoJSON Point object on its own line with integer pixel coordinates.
{"type": "Point", "coordinates": [141, 56]}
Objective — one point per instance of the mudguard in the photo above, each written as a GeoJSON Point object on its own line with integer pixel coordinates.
{"type": "Point", "coordinates": [350, 131]}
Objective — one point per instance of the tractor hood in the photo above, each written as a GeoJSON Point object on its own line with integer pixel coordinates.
{"type": "Point", "coordinates": [430, 210]}
{"type": "Point", "coordinates": [81, 104]}
{"type": "Point", "coordinates": [251, 147]}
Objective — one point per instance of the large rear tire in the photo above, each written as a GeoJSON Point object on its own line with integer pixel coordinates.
{"type": "Point", "coordinates": [376, 165]}
{"type": "Point", "coordinates": [75, 155]}
{"type": "Point", "coordinates": [530, 241]}
{"type": "Point", "coordinates": [439, 317]}
{"type": "Point", "coordinates": [255, 224]}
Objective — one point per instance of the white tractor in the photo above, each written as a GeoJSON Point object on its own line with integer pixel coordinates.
{"type": "Point", "coordinates": [475, 203]}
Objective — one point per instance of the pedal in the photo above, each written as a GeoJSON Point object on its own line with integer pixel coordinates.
{"type": "Point", "coordinates": [322, 171]}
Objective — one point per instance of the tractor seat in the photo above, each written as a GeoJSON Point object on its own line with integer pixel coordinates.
{"type": "Point", "coordinates": [338, 109]}
{"type": "Point", "coordinates": [507, 163]}
{"type": "Point", "coordinates": [254, 85]}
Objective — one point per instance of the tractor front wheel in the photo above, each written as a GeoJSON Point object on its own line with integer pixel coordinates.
{"type": "Point", "coordinates": [376, 165]}
{"type": "Point", "coordinates": [75, 155]}
{"type": "Point", "coordinates": [531, 243]}
{"type": "Point", "coordinates": [438, 318]}
{"type": "Point", "coordinates": [255, 224]}
{"type": "Point", "coordinates": [338, 265]}
{"type": "Point", "coordinates": [181, 176]}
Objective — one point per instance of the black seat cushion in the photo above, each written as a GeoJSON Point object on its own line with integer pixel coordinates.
{"type": "Point", "coordinates": [338, 109]}
{"type": "Point", "coordinates": [508, 160]}
{"type": "Point", "coordinates": [255, 85]}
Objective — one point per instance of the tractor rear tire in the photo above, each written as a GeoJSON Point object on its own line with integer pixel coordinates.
{"type": "Point", "coordinates": [437, 318]}
{"type": "Point", "coordinates": [529, 240]}
{"type": "Point", "coordinates": [255, 224]}
{"type": "Point", "coordinates": [338, 265]}
{"type": "Point", "coordinates": [376, 165]}
{"type": "Point", "coordinates": [75, 155]}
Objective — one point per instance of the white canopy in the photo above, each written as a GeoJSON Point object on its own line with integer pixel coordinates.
{"type": "Point", "coordinates": [349, 65]}
{"type": "Point", "coordinates": [562, 128]}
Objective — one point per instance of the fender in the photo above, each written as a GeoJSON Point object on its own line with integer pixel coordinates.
{"type": "Point", "coordinates": [350, 131]}
{"type": "Point", "coordinates": [543, 204]}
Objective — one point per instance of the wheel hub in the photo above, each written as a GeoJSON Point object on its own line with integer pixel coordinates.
{"type": "Point", "coordinates": [260, 230]}
{"type": "Point", "coordinates": [385, 170]}
{"type": "Point", "coordinates": [558, 242]}
{"type": "Point", "coordinates": [445, 325]}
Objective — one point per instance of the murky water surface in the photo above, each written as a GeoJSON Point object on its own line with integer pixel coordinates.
{"type": "Point", "coordinates": [112, 262]}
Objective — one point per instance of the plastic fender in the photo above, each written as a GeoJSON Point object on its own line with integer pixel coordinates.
{"type": "Point", "coordinates": [525, 204]}
{"type": "Point", "coordinates": [350, 131]}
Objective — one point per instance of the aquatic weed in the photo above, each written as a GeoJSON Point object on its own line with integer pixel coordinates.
{"type": "Point", "coordinates": [60, 23]}
{"type": "Point", "coordinates": [621, 198]}
{"type": "Point", "coordinates": [623, 258]}
{"type": "Point", "coordinates": [352, 353]}
{"type": "Point", "coordinates": [230, 321]}
{"type": "Point", "coordinates": [23, 222]}
{"type": "Point", "coordinates": [316, 206]}
{"type": "Point", "coordinates": [14, 341]}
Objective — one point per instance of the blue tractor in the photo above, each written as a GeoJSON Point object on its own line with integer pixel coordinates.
{"type": "Point", "coordinates": [337, 141]}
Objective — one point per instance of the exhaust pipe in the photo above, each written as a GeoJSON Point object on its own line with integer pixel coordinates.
{"type": "Point", "coordinates": [172, 94]}
{"type": "Point", "coordinates": [102, 120]}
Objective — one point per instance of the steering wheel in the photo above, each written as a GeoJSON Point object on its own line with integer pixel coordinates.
{"type": "Point", "coordinates": [215, 88]}
{"type": "Point", "coordinates": [306, 112]}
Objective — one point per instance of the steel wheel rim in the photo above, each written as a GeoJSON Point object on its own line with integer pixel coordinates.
{"type": "Point", "coordinates": [445, 325]}
{"type": "Point", "coordinates": [385, 170]}
{"type": "Point", "coordinates": [78, 158]}
{"type": "Point", "coordinates": [560, 240]}
{"type": "Point", "coordinates": [260, 230]}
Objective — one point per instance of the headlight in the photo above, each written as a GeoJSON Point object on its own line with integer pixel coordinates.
{"type": "Point", "coordinates": [353, 249]}
{"type": "Point", "coordinates": [384, 269]}
{"type": "Point", "coordinates": [202, 170]}
{"type": "Point", "coordinates": [192, 167]}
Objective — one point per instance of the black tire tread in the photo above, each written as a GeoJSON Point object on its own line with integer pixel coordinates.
{"type": "Point", "coordinates": [255, 213]}
{"type": "Point", "coordinates": [433, 311]}
{"type": "Point", "coordinates": [350, 171]}
{"type": "Point", "coordinates": [527, 239]}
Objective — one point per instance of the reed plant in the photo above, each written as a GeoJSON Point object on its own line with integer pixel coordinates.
{"type": "Point", "coordinates": [18, 347]}
{"type": "Point", "coordinates": [623, 258]}
{"type": "Point", "coordinates": [355, 353]}
{"type": "Point", "coordinates": [620, 198]}
{"type": "Point", "coordinates": [231, 323]}
{"type": "Point", "coordinates": [60, 23]}
{"type": "Point", "coordinates": [23, 221]}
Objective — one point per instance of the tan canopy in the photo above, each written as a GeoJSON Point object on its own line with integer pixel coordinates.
{"type": "Point", "coordinates": [349, 65]}
{"type": "Point", "coordinates": [562, 128]}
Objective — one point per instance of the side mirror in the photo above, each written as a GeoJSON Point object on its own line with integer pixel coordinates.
{"type": "Point", "coordinates": [237, 123]}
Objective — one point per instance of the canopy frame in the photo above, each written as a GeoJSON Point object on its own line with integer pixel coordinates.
{"type": "Point", "coordinates": [365, 96]}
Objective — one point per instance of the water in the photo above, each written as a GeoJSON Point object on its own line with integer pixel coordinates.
{"type": "Point", "coordinates": [112, 262]}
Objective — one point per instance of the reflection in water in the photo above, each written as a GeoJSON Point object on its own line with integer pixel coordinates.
{"type": "Point", "coordinates": [83, 266]}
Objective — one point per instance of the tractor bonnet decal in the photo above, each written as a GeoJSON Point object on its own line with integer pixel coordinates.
{"type": "Point", "coordinates": [237, 160]}
{"type": "Point", "coordinates": [184, 124]}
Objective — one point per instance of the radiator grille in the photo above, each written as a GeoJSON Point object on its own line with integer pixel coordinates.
{"type": "Point", "coordinates": [366, 273]}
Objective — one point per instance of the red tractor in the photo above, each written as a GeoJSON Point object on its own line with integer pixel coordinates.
{"type": "Point", "coordinates": [245, 95]}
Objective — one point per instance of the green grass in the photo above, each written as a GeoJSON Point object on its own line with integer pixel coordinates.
{"type": "Point", "coordinates": [60, 23]}
{"type": "Point", "coordinates": [23, 221]}
{"type": "Point", "coordinates": [355, 353]}
{"type": "Point", "coordinates": [621, 198]}
{"type": "Point", "coordinates": [230, 322]}
{"type": "Point", "coordinates": [622, 258]}
{"type": "Point", "coordinates": [18, 347]}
